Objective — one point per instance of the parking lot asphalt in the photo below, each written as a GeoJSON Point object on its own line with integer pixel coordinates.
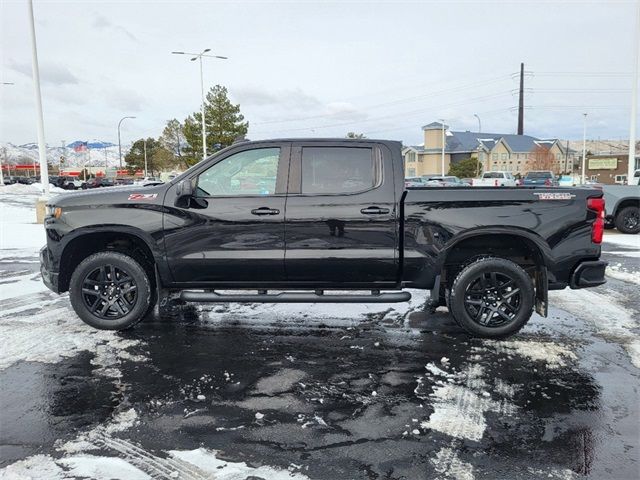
{"type": "Point", "coordinates": [318, 391]}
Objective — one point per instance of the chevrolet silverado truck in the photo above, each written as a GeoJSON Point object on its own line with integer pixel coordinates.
{"type": "Point", "coordinates": [320, 221]}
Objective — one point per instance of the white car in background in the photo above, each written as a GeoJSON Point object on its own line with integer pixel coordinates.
{"type": "Point", "coordinates": [495, 179]}
{"type": "Point", "coordinates": [143, 182]}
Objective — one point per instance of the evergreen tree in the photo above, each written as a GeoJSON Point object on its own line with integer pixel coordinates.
{"type": "Point", "coordinates": [355, 135]}
{"type": "Point", "coordinates": [466, 168]}
{"type": "Point", "coordinates": [223, 124]}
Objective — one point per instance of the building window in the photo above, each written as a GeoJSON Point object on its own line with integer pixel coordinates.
{"type": "Point", "coordinates": [504, 156]}
{"type": "Point", "coordinates": [494, 157]}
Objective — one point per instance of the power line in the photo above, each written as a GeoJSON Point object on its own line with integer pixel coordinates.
{"type": "Point", "coordinates": [431, 94]}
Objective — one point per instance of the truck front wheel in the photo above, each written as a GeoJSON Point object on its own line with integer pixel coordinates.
{"type": "Point", "coordinates": [492, 298]}
{"type": "Point", "coordinates": [110, 291]}
{"type": "Point", "coordinates": [628, 220]}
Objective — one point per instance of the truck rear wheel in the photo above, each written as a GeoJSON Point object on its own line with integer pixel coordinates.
{"type": "Point", "coordinates": [492, 298]}
{"type": "Point", "coordinates": [110, 291]}
{"type": "Point", "coordinates": [628, 220]}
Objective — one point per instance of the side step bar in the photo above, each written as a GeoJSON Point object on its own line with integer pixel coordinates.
{"type": "Point", "coordinates": [294, 297]}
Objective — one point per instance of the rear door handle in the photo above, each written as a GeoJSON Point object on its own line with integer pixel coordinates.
{"type": "Point", "coordinates": [374, 211]}
{"type": "Point", "coordinates": [265, 211]}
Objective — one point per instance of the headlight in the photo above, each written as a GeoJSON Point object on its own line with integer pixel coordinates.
{"type": "Point", "coordinates": [53, 211]}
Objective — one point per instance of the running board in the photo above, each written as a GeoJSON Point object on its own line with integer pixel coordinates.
{"type": "Point", "coordinates": [295, 297]}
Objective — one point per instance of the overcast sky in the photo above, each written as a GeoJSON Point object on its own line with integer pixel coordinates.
{"type": "Point", "coordinates": [321, 68]}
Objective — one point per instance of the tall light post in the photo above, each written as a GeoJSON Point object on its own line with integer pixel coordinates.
{"type": "Point", "coordinates": [634, 104]}
{"type": "Point", "coordinates": [119, 144]}
{"type": "Point", "coordinates": [198, 56]}
{"type": "Point", "coordinates": [443, 144]}
{"type": "Point", "coordinates": [42, 147]}
{"type": "Point", "coordinates": [584, 147]}
{"type": "Point", "coordinates": [144, 146]}
{"type": "Point", "coordinates": [479, 123]}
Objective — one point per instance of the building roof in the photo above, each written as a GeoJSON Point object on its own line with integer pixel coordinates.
{"type": "Point", "coordinates": [467, 142]}
{"type": "Point", "coordinates": [434, 126]}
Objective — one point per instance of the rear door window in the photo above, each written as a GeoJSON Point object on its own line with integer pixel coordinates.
{"type": "Point", "coordinates": [335, 170]}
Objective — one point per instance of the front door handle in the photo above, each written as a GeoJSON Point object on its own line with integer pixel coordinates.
{"type": "Point", "coordinates": [374, 211]}
{"type": "Point", "coordinates": [265, 211]}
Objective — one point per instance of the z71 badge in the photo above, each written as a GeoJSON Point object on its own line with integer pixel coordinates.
{"type": "Point", "coordinates": [142, 196]}
{"type": "Point", "coordinates": [554, 195]}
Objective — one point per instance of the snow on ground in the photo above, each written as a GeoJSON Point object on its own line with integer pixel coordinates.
{"type": "Point", "coordinates": [623, 240]}
{"type": "Point", "coordinates": [461, 399]}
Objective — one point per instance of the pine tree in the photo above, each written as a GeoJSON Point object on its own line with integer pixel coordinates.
{"type": "Point", "coordinates": [223, 124]}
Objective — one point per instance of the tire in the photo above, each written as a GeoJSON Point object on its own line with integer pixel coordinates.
{"type": "Point", "coordinates": [628, 220]}
{"type": "Point", "coordinates": [103, 303]}
{"type": "Point", "coordinates": [492, 298]}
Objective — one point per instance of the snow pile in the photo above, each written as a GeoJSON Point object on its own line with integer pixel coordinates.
{"type": "Point", "coordinates": [33, 189]}
{"type": "Point", "coordinates": [618, 272]}
{"type": "Point", "coordinates": [622, 240]}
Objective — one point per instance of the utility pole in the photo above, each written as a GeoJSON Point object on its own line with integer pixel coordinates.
{"type": "Point", "coordinates": [584, 148]}
{"type": "Point", "coordinates": [566, 160]}
{"type": "Point", "coordinates": [521, 102]}
{"type": "Point", "coordinates": [634, 103]}
{"type": "Point", "coordinates": [42, 146]}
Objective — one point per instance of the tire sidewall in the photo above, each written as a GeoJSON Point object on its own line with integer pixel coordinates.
{"type": "Point", "coordinates": [469, 274]}
{"type": "Point", "coordinates": [124, 262]}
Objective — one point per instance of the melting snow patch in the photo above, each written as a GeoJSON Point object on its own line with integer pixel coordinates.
{"type": "Point", "coordinates": [553, 354]}
{"type": "Point", "coordinates": [448, 464]}
{"type": "Point", "coordinates": [459, 409]}
{"type": "Point", "coordinates": [207, 461]}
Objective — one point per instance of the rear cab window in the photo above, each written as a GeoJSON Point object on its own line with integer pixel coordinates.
{"type": "Point", "coordinates": [338, 170]}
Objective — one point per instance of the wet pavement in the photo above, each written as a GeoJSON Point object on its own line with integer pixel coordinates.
{"type": "Point", "coordinates": [304, 391]}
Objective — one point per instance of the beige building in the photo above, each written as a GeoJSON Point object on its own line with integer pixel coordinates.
{"type": "Point", "coordinates": [517, 154]}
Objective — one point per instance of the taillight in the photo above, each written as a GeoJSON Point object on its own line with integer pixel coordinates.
{"type": "Point", "coordinates": [597, 229]}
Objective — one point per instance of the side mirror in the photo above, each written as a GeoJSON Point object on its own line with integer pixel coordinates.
{"type": "Point", "coordinates": [184, 189]}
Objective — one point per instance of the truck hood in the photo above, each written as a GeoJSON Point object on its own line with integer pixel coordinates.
{"type": "Point", "coordinates": [110, 195]}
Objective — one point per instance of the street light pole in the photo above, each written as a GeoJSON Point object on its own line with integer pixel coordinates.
{"type": "Point", "coordinates": [584, 147]}
{"type": "Point", "coordinates": [42, 147]}
{"type": "Point", "coordinates": [119, 143]}
{"type": "Point", "coordinates": [198, 56]}
{"type": "Point", "coordinates": [443, 143]}
{"type": "Point", "coordinates": [634, 105]}
{"type": "Point", "coordinates": [144, 143]}
{"type": "Point", "coordinates": [479, 123]}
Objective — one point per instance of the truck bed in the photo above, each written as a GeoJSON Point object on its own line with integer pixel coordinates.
{"type": "Point", "coordinates": [555, 220]}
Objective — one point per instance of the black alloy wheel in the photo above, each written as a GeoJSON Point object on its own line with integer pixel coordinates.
{"type": "Point", "coordinates": [109, 292]}
{"type": "Point", "coordinates": [492, 299]}
{"type": "Point", "coordinates": [628, 220]}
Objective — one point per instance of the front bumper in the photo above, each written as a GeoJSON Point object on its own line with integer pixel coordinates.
{"type": "Point", "coordinates": [49, 277]}
{"type": "Point", "coordinates": [588, 274]}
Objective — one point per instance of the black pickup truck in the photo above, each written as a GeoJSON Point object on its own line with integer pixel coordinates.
{"type": "Point", "coordinates": [320, 221]}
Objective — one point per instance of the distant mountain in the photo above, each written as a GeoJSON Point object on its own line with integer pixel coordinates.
{"type": "Point", "coordinates": [97, 154]}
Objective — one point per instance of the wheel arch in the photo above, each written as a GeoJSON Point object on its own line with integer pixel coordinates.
{"type": "Point", "coordinates": [87, 241]}
{"type": "Point", "coordinates": [626, 202]}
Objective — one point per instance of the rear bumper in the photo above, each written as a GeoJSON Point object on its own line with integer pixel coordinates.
{"type": "Point", "coordinates": [588, 274]}
{"type": "Point", "coordinates": [49, 277]}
